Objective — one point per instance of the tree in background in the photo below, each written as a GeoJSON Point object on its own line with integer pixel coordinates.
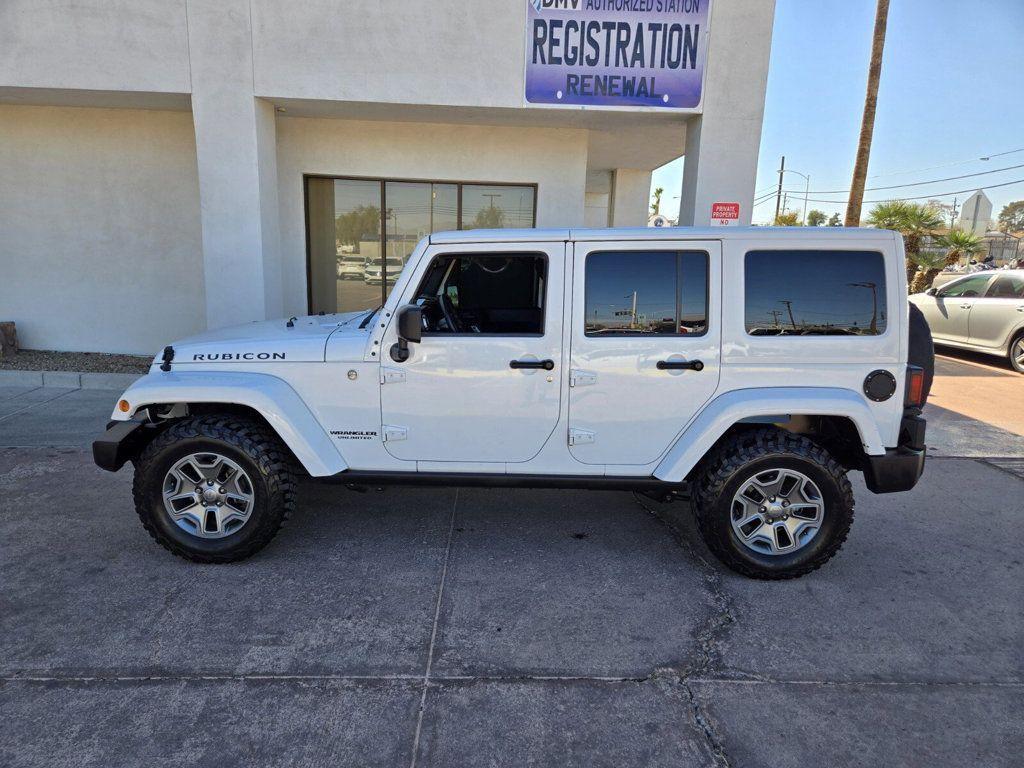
{"type": "Point", "coordinates": [1011, 218]}
{"type": "Point", "coordinates": [867, 126]}
{"type": "Point", "coordinates": [835, 220]}
{"type": "Point", "coordinates": [912, 220]}
{"type": "Point", "coordinates": [489, 218]}
{"type": "Point", "coordinates": [361, 223]}
{"type": "Point", "coordinates": [787, 219]}
{"type": "Point", "coordinates": [815, 218]}
{"type": "Point", "coordinates": [656, 205]}
{"type": "Point", "coordinates": [959, 245]}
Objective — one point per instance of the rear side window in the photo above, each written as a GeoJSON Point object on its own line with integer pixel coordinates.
{"type": "Point", "coordinates": [646, 293]}
{"type": "Point", "coordinates": [815, 293]}
{"type": "Point", "coordinates": [1006, 287]}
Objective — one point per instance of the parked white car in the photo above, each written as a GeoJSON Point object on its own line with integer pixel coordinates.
{"type": "Point", "coordinates": [982, 311]}
{"type": "Point", "coordinates": [748, 369]}
{"type": "Point", "coordinates": [350, 266]}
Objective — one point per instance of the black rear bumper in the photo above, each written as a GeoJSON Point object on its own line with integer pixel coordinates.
{"type": "Point", "coordinates": [900, 468]}
{"type": "Point", "coordinates": [119, 444]}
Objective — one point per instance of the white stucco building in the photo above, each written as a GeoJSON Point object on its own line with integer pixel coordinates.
{"type": "Point", "coordinates": [172, 165]}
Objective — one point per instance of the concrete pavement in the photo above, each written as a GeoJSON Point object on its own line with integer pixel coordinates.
{"type": "Point", "coordinates": [475, 627]}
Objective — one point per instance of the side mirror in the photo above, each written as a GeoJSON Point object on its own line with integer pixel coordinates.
{"type": "Point", "coordinates": [410, 323]}
{"type": "Point", "coordinates": [410, 331]}
{"type": "Point", "coordinates": [931, 291]}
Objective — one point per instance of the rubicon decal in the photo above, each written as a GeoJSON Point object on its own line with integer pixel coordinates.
{"type": "Point", "coordinates": [231, 356]}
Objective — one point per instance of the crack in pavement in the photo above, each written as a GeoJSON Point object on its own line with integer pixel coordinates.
{"type": "Point", "coordinates": [709, 637]}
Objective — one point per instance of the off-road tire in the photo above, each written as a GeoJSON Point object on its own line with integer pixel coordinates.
{"type": "Point", "coordinates": [253, 447]}
{"type": "Point", "coordinates": [740, 457]}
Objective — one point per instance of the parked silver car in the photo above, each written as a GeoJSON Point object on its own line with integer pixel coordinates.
{"type": "Point", "coordinates": [982, 311]}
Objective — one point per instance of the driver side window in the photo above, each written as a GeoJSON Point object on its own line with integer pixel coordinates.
{"type": "Point", "coordinates": [971, 286]}
{"type": "Point", "coordinates": [484, 294]}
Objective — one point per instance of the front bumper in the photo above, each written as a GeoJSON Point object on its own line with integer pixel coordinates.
{"type": "Point", "coordinates": [122, 442]}
{"type": "Point", "coordinates": [900, 468]}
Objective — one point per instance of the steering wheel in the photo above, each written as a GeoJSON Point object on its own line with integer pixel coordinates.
{"type": "Point", "coordinates": [448, 310]}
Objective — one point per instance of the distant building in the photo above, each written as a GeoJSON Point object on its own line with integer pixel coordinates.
{"type": "Point", "coordinates": [976, 214]}
{"type": "Point", "coordinates": [661, 220]}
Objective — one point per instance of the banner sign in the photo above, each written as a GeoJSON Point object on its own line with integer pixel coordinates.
{"type": "Point", "coordinates": [616, 53]}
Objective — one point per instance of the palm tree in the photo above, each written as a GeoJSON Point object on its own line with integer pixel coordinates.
{"type": "Point", "coordinates": [656, 205]}
{"type": "Point", "coordinates": [867, 126]}
{"type": "Point", "coordinates": [958, 244]}
{"type": "Point", "coordinates": [913, 220]}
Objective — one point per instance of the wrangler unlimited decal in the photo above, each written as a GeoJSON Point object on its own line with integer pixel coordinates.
{"type": "Point", "coordinates": [351, 434]}
{"type": "Point", "coordinates": [239, 356]}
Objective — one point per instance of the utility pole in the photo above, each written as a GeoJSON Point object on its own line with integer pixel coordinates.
{"type": "Point", "coordinates": [789, 306]}
{"type": "Point", "coordinates": [776, 314]}
{"type": "Point", "coordinates": [778, 195]}
{"type": "Point", "coordinates": [952, 216]}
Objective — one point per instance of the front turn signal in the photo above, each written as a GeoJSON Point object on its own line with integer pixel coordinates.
{"type": "Point", "coordinates": [124, 406]}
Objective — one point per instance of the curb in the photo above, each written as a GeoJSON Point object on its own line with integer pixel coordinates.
{"type": "Point", "coordinates": [68, 379]}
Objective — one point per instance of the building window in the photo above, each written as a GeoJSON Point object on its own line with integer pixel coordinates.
{"type": "Point", "coordinates": [661, 293]}
{"type": "Point", "coordinates": [361, 232]}
{"type": "Point", "coordinates": [815, 293]}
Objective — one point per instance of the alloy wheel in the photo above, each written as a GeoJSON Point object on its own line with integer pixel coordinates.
{"type": "Point", "coordinates": [777, 511]}
{"type": "Point", "coordinates": [208, 495]}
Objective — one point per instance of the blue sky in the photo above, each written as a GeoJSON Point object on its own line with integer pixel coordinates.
{"type": "Point", "coordinates": [952, 91]}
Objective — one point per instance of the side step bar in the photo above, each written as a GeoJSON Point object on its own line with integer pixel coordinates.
{"type": "Point", "coordinates": [488, 480]}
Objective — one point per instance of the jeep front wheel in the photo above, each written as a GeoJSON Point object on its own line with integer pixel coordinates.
{"type": "Point", "coordinates": [214, 489]}
{"type": "Point", "coordinates": [773, 505]}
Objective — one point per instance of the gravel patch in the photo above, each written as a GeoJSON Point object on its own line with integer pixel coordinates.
{"type": "Point", "coordinates": [83, 362]}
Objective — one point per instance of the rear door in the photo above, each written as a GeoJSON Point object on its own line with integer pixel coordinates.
{"type": "Point", "coordinates": [999, 312]}
{"type": "Point", "coordinates": [644, 345]}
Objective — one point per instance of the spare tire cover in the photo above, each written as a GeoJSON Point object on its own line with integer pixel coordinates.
{"type": "Point", "coordinates": [921, 352]}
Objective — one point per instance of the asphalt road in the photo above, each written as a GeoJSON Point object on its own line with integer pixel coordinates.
{"type": "Point", "coordinates": [476, 627]}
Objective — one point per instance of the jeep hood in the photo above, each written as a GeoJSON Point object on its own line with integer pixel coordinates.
{"type": "Point", "coordinates": [266, 341]}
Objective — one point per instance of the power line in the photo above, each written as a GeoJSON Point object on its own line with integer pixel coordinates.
{"type": "Point", "coordinates": [947, 165]}
{"type": "Point", "coordinates": [925, 197]}
{"type": "Point", "coordinates": [910, 184]}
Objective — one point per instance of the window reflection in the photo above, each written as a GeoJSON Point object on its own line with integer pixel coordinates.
{"type": "Point", "coordinates": [646, 292]}
{"type": "Point", "coordinates": [496, 207]}
{"type": "Point", "coordinates": [815, 293]}
{"type": "Point", "coordinates": [356, 253]}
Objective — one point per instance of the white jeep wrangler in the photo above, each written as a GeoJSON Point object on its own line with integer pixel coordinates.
{"type": "Point", "coordinates": [745, 368]}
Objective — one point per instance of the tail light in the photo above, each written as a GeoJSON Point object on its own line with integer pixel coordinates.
{"type": "Point", "coordinates": [915, 387]}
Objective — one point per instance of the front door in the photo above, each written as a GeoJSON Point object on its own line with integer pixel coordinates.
{"type": "Point", "coordinates": [482, 386]}
{"type": "Point", "coordinates": [645, 345]}
{"type": "Point", "coordinates": [949, 311]}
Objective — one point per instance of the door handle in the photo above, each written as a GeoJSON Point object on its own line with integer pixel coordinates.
{"type": "Point", "coordinates": [966, 306]}
{"type": "Point", "coordinates": [1020, 308]}
{"type": "Point", "coordinates": [547, 365]}
{"type": "Point", "coordinates": [680, 365]}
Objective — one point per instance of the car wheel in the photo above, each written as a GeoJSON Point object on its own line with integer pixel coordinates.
{"type": "Point", "coordinates": [1017, 353]}
{"type": "Point", "coordinates": [773, 505]}
{"type": "Point", "coordinates": [214, 489]}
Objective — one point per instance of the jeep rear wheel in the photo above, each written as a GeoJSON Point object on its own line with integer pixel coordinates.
{"type": "Point", "coordinates": [773, 505]}
{"type": "Point", "coordinates": [214, 489]}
